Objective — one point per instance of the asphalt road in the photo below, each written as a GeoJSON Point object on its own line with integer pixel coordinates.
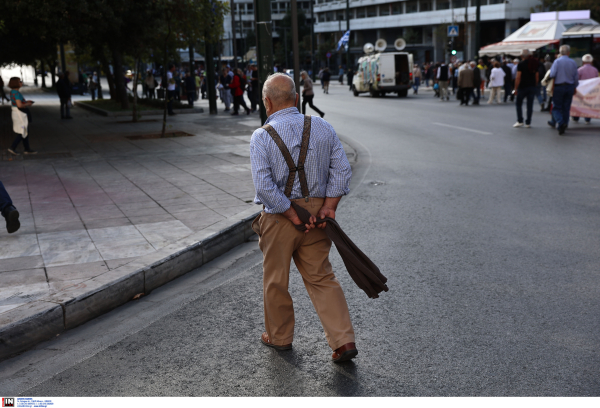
{"type": "Point", "coordinates": [488, 236]}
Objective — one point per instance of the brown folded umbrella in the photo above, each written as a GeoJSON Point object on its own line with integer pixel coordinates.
{"type": "Point", "coordinates": [361, 269]}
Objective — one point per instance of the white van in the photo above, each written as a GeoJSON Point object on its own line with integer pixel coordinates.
{"type": "Point", "coordinates": [382, 73]}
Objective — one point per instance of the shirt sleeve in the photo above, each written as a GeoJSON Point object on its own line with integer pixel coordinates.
{"type": "Point", "coordinates": [267, 192]}
{"type": "Point", "coordinates": [340, 172]}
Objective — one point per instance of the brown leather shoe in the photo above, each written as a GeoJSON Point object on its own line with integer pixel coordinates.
{"type": "Point", "coordinates": [267, 342]}
{"type": "Point", "coordinates": [345, 353]}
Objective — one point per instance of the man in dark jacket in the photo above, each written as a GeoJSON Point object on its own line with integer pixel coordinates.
{"type": "Point", "coordinates": [63, 88]}
{"type": "Point", "coordinates": [508, 80]}
{"type": "Point", "coordinates": [476, 80]}
{"type": "Point", "coordinates": [190, 87]}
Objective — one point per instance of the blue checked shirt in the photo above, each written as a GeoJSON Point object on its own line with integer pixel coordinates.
{"type": "Point", "coordinates": [327, 169]}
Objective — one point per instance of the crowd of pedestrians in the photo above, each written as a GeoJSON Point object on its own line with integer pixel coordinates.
{"type": "Point", "coordinates": [525, 79]}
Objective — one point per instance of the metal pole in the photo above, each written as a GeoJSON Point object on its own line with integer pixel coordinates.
{"type": "Point", "coordinates": [296, 48]}
{"type": "Point", "coordinates": [264, 47]}
{"type": "Point", "coordinates": [241, 32]}
{"type": "Point", "coordinates": [287, 61]}
{"type": "Point", "coordinates": [233, 35]}
{"type": "Point", "coordinates": [312, 41]}
{"type": "Point", "coordinates": [348, 29]}
{"type": "Point", "coordinates": [210, 78]}
{"type": "Point", "coordinates": [466, 34]}
{"type": "Point", "coordinates": [477, 27]}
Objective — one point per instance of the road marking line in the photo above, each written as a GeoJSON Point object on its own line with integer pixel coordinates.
{"type": "Point", "coordinates": [462, 128]}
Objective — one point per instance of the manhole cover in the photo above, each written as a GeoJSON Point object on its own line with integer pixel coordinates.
{"type": "Point", "coordinates": [378, 183]}
{"type": "Point", "coordinates": [158, 135]}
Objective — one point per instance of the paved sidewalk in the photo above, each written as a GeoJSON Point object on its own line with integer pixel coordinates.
{"type": "Point", "coordinates": [93, 200]}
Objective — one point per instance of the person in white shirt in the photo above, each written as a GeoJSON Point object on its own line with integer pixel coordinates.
{"type": "Point", "coordinates": [496, 82]}
{"type": "Point", "coordinates": [170, 89]}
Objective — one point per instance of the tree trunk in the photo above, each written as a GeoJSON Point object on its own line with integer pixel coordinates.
{"type": "Point", "coordinates": [43, 74]}
{"type": "Point", "coordinates": [109, 77]}
{"type": "Point", "coordinates": [52, 65]}
{"type": "Point", "coordinates": [99, 70]}
{"type": "Point", "coordinates": [135, 94]}
{"type": "Point", "coordinates": [120, 85]}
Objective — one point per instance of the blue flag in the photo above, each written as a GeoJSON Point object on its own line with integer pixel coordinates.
{"type": "Point", "coordinates": [344, 40]}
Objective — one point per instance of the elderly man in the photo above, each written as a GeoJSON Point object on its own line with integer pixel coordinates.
{"type": "Point", "coordinates": [587, 71]}
{"type": "Point", "coordinates": [298, 158]}
{"type": "Point", "coordinates": [525, 84]}
{"type": "Point", "coordinates": [476, 80]}
{"type": "Point", "coordinates": [465, 83]}
{"type": "Point", "coordinates": [566, 79]}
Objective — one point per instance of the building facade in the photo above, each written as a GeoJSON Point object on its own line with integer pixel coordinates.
{"type": "Point", "coordinates": [422, 24]}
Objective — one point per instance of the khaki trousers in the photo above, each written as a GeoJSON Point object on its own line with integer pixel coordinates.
{"type": "Point", "coordinates": [280, 242]}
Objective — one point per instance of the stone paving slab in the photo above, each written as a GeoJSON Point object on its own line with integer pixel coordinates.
{"type": "Point", "coordinates": [104, 217]}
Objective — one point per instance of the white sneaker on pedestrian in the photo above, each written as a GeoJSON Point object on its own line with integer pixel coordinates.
{"type": "Point", "coordinates": [11, 151]}
{"type": "Point", "coordinates": [527, 126]}
{"type": "Point", "coordinates": [518, 124]}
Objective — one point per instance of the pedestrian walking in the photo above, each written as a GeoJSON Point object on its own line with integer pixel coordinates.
{"type": "Point", "coordinates": [93, 86]}
{"type": "Point", "coordinates": [465, 84]}
{"type": "Point", "coordinates": [151, 84]}
{"type": "Point", "coordinates": [225, 80]}
{"type": "Point", "coordinates": [454, 69]}
{"type": "Point", "coordinates": [190, 87]}
{"type": "Point", "coordinates": [350, 78]}
{"type": "Point", "coordinates": [483, 70]}
{"type": "Point", "coordinates": [525, 83]}
{"type": "Point", "coordinates": [507, 80]}
{"type": "Point", "coordinates": [254, 83]}
{"type": "Point", "coordinates": [513, 71]}
{"type": "Point", "coordinates": [325, 79]}
{"type": "Point", "coordinates": [341, 75]}
{"type": "Point", "coordinates": [308, 94]}
{"type": "Point", "coordinates": [539, 89]}
{"type": "Point", "coordinates": [324, 178]}
{"type": "Point", "coordinates": [443, 76]}
{"type": "Point", "coordinates": [586, 71]}
{"type": "Point", "coordinates": [237, 86]}
{"type": "Point", "coordinates": [8, 211]}
{"type": "Point", "coordinates": [429, 73]}
{"type": "Point", "coordinates": [63, 89]}
{"type": "Point", "coordinates": [171, 89]}
{"type": "Point", "coordinates": [2, 94]}
{"type": "Point", "coordinates": [416, 79]}
{"type": "Point", "coordinates": [496, 82]}
{"type": "Point", "coordinates": [21, 117]}
{"type": "Point", "coordinates": [320, 76]}
{"type": "Point", "coordinates": [475, 93]}
{"type": "Point", "coordinates": [566, 79]}
{"type": "Point", "coordinates": [548, 83]}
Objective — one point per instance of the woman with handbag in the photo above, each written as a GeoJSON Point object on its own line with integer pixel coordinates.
{"type": "Point", "coordinates": [20, 116]}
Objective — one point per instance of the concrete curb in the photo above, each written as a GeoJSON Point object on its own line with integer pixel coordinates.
{"type": "Point", "coordinates": [141, 113]}
{"type": "Point", "coordinates": [24, 327]}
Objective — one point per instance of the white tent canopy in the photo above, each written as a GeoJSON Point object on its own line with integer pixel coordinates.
{"type": "Point", "coordinates": [544, 29]}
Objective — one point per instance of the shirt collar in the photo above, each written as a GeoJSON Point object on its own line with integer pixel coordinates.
{"type": "Point", "coordinates": [282, 113]}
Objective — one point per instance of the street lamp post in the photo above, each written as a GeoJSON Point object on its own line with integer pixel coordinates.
{"type": "Point", "coordinates": [348, 29]}
{"type": "Point", "coordinates": [296, 48]}
{"type": "Point", "coordinates": [233, 35]}
{"type": "Point", "coordinates": [264, 47]}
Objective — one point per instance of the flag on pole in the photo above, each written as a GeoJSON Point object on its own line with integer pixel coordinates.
{"type": "Point", "coordinates": [344, 40]}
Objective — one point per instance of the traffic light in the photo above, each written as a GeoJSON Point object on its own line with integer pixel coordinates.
{"type": "Point", "coordinates": [453, 52]}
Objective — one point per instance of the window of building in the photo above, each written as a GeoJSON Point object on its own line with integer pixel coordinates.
{"type": "Point", "coordinates": [397, 8]}
{"type": "Point", "coordinates": [459, 3]}
{"type": "Point", "coordinates": [250, 8]}
{"type": "Point", "coordinates": [442, 5]}
{"type": "Point", "coordinates": [496, 1]}
{"type": "Point", "coordinates": [412, 6]}
{"type": "Point", "coordinates": [329, 16]}
{"type": "Point", "coordinates": [372, 11]}
{"type": "Point", "coordinates": [341, 15]}
{"type": "Point", "coordinates": [428, 32]}
{"type": "Point", "coordinates": [361, 12]}
{"type": "Point", "coordinates": [384, 10]}
{"type": "Point", "coordinates": [426, 5]}
{"type": "Point", "coordinates": [273, 7]}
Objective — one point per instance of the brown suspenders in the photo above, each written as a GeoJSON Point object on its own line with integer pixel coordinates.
{"type": "Point", "coordinates": [290, 161]}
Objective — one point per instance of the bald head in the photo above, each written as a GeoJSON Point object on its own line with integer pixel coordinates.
{"type": "Point", "coordinates": [281, 91]}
